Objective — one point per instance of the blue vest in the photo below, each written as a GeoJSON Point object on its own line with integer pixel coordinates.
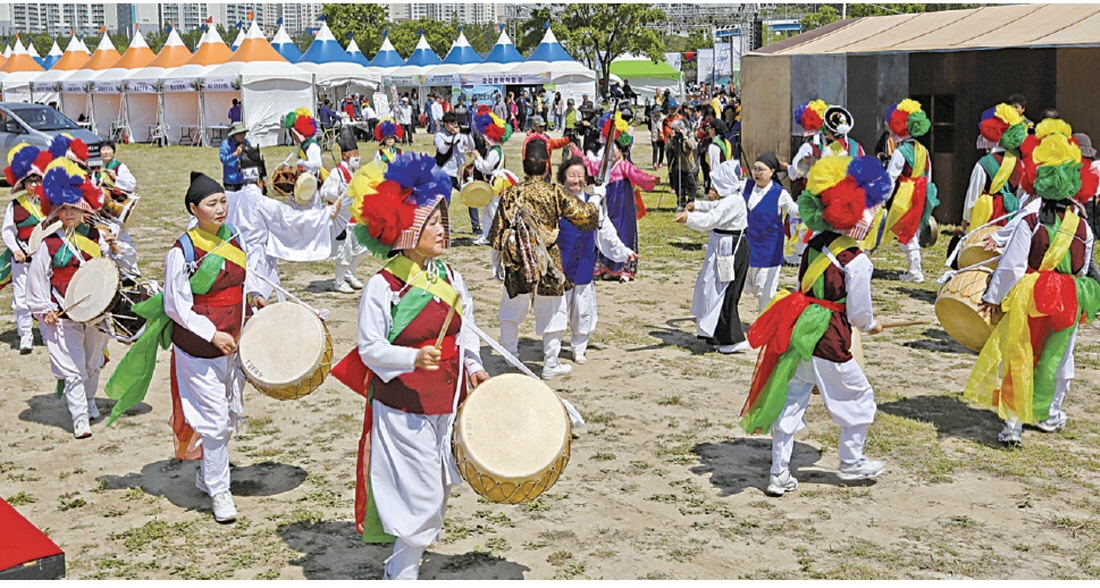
{"type": "Point", "coordinates": [765, 227]}
{"type": "Point", "coordinates": [578, 251]}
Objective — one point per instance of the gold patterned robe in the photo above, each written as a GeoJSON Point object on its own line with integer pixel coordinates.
{"type": "Point", "coordinates": [548, 204]}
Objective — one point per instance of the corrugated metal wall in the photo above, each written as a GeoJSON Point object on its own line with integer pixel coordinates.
{"type": "Point", "coordinates": [766, 94]}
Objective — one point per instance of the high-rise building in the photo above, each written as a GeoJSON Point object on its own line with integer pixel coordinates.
{"type": "Point", "coordinates": [57, 19]}
{"type": "Point", "coordinates": [296, 17]}
{"type": "Point", "coordinates": [466, 13]}
{"type": "Point", "coordinates": [184, 16]}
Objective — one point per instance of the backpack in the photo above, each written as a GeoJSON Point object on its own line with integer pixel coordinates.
{"type": "Point", "coordinates": [441, 158]}
{"type": "Point", "coordinates": [525, 252]}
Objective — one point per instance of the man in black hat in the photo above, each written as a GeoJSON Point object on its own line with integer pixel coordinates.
{"type": "Point", "coordinates": [346, 249]}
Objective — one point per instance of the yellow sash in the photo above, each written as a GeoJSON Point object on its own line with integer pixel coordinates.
{"type": "Point", "coordinates": [1059, 246]}
{"type": "Point", "coordinates": [87, 245]}
{"type": "Point", "coordinates": [31, 206]}
{"type": "Point", "coordinates": [1003, 174]}
{"type": "Point", "coordinates": [817, 267]}
{"type": "Point", "coordinates": [208, 243]}
{"type": "Point", "coordinates": [412, 274]}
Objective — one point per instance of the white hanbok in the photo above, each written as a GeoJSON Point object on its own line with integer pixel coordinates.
{"type": "Point", "coordinates": [765, 280]}
{"type": "Point", "coordinates": [412, 467]}
{"type": "Point", "coordinates": [24, 322]}
{"type": "Point", "coordinates": [75, 349]}
{"type": "Point", "coordinates": [347, 252]}
{"type": "Point", "coordinates": [727, 214]}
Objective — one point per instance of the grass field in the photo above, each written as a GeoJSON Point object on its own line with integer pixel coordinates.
{"type": "Point", "coordinates": [662, 483]}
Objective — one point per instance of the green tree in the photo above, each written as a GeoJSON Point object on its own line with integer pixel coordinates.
{"type": "Point", "coordinates": [532, 30]}
{"type": "Point", "coordinates": [303, 40]}
{"type": "Point", "coordinates": [824, 15]}
{"type": "Point", "coordinates": [482, 37]}
{"type": "Point", "coordinates": [596, 34]}
{"type": "Point", "coordinates": [366, 20]}
{"type": "Point", "coordinates": [439, 34]}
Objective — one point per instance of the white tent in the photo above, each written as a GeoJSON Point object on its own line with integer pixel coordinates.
{"type": "Point", "coordinates": [503, 57]}
{"type": "Point", "coordinates": [422, 60]}
{"type": "Point", "coordinates": [459, 60]}
{"type": "Point", "coordinates": [333, 66]}
{"type": "Point", "coordinates": [571, 78]}
{"type": "Point", "coordinates": [269, 86]}
{"type": "Point", "coordinates": [185, 110]}
{"type": "Point", "coordinates": [108, 87]}
{"type": "Point", "coordinates": [47, 83]}
{"type": "Point", "coordinates": [76, 95]}
{"type": "Point", "coordinates": [21, 70]}
{"type": "Point", "coordinates": [144, 101]}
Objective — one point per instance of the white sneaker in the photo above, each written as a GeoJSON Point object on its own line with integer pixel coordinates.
{"type": "Point", "coordinates": [1054, 423]}
{"type": "Point", "coordinates": [353, 281]}
{"type": "Point", "coordinates": [93, 410]}
{"type": "Point", "coordinates": [861, 470]}
{"type": "Point", "coordinates": [81, 428]}
{"type": "Point", "coordinates": [735, 348]}
{"type": "Point", "coordinates": [1010, 436]}
{"type": "Point", "coordinates": [780, 485]}
{"type": "Point", "coordinates": [481, 241]}
{"type": "Point", "coordinates": [550, 372]}
{"type": "Point", "coordinates": [579, 357]}
{"type": "Point", "coordinates": [914, 278]}
{"type": "Point", "coordinates": [793, 259]}
{"type": "Point", "coordinates": [26, 344]}
{"type": "Point", "coordinates": [343, 288]}
{"type": "Point", "coordinates": [224, 509]}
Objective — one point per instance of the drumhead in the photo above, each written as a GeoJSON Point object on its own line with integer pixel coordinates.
{"type": "Point", "coordinates": [40, 233]}
{"type": "Point", "coordinates": [512, 427]}
{"type": "Point", "coordinates": [305, 187]}
{"type": "Point", "coordinates": [281, 344]}
{"type": "Point", "coordinates": [476, 194]}
{"type": "Point", "coordinates": [92, 290]}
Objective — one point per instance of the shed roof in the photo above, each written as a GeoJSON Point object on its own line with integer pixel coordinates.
{"type": "Point", "coordinates": [988, 27]}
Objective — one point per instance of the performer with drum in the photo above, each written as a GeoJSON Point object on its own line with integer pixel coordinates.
{"type": "Point", "coordinates": [806, 335]}
{"type": "Point", "coordinates": [915, 196]}
{"type": "Point", "coordinates": [114, 177]}
{"type": "Point", "coordinates": [387, 132]}
{"type": "Point", "coordinates": [346, 251]}
{"type": "Point", "coordinates": [993, 191]}
{"type": "Point", "coordinates": [1026, 366]}
{"type": "Point", "coordinates": [533, 210]}
{"type": "Point", "coordinates": [421, 359]}
{"type": "Point", "coordinates": [26, 166]}
{"type": "Point", "coordinates": [76, 349]}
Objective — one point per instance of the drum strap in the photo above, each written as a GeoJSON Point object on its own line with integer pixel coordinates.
{"type": "Point", "coordinates": [816, 269]}
{"type": "Point", "coordinates": [430, 283]}
{"type": "Point", "coordinates": [207, 242]}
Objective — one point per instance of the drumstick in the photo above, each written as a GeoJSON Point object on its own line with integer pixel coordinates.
{"type": "Point", "coordinates": [446, 325]}
{"type": "Point", "coordinates": [892, 324]}
{"type": "Point", "coordinates": [74, 305]}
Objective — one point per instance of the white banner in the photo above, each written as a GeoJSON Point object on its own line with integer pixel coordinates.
{"type": "Point", "coordinates": [106, 87]}
{"type": "Point", "coordinates": [46, 87]}
{"type": "Point", "coordinates": [673, 59]}
{"type": "Point", "coordinates": [704, 61]}
{"type": "Point", "coordinates": [179, 85]}
{"type": "Point", "coordinates": [227, 84]}
{"type": "Point", "coordinates": [143, 87]}
{"type": "Point", "coordinates": [512, 79]}
{"type": "Point", "coordinates": [75, 87]}
{"type": "Point", "coordinates": [381, 105]}
{"type": "Point", "coordinates": [723, 61]}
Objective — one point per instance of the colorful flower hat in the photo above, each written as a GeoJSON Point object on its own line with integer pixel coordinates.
{"type": "Point", "coordinates": [491, 125]}
{"type": "Point", "coordinates": [1004, 126]}
{"type": "Point", "coordinates": [391, 203]}
{"type": "Point", "coordinates": [23, 161]}
{"type": "Point", "coordinates": [811, 116]}
{"type": "Point", "coordinates": [623, 127]}
{"type": "Point", "coordinates": [301, 120]}
{"type": "Point", "coordinates": [65, 145]}
{"type": "Point", "coordinates": [65, 183]}
{"type": "Point", "coordinates": [1052, 164]}
{"type": "Point", "coordinates": [388, 127]}
{"type": "Point", "coordinates": [906, 119]}
{"type": "Point", "coordinates": [840, 189]}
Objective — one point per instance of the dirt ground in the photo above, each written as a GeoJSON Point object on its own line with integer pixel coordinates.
{"type": "Point", "coordinates": [662, 483]}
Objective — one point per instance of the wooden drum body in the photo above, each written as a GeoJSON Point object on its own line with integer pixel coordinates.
{"type": "Point", "coordinates": [957, 308]}
{"type": "Point", "coordinates": [285, 351]}
{"type": "Point", "coordinates": [512, 438]}
{"type": "Point", "coordinates": [972, 249]}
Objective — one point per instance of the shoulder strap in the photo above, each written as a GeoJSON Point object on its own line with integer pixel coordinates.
{"type": "Point", "coordinates": [188, 248]}
{"type": "Point", "coordinates": [816, 269]}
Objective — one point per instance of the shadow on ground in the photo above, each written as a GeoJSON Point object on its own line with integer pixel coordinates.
{"type": "Point", "coordinates": [175, 480]}
{"type": "Point", "coordinates": [49, 410]}
{"type": "Point", "coordinates": [674, 335]}
{"type": "Point", "coordinates": [331, 550]}
{"type": "Point", "coordinates": [951, 416]}
{"type": "Point", "coordinates": [739, 464]}
{"type": "Point", "coordinates": [938, 340]}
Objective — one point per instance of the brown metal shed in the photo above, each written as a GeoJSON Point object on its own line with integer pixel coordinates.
{"type": "Point", "coordinates": [956, 63]}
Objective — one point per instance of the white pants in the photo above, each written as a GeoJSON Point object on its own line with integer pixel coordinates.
{"type": "Point", "coordinates": [764, 282]}
{"type": "Point", "coordinates": [581, 304]}
{"type": "Point", "coordinates": [412, 470]}
{"type": "Point", "coordinates": [487, 213]}
{"type": "Point", "coordinates": [551, 316]}
{"type": "Point", "coordinates": [24, 322]}
{"type": "Point", "coordinates": [76, 355]}
{"type": "Point", "coordinates": [912, 252]}
{"type": "Point", "coordinates": [210, 394]}
{"type": "Point", "coordinates": [848, 397]}
{"type": "Point", "coordinates": [347, 253]}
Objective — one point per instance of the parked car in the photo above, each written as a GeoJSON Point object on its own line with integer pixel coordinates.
{"type": "Point", "coordinates": [36, 124]}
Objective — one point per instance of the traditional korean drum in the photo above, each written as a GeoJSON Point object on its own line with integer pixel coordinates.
{"type": "Point", "coordinates": [290, 182]}
{"type": "Point", "coordinates": [511, 438]}
{"type": "Point", "coordinates": [476, 194]}
{"type": "Point", "coordinates": [957, 308]}
{"type": "Point", "coordinates": [972, 248]}
{"type": "Point", "coordinates": [93, 291]}
{"type": "Point", "coordinates": [285, 350]}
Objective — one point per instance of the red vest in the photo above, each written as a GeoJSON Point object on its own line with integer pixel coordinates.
{"type": "Point", "coordinates": [223, 305]}
{"type": "Point", "coordinates": [20, 215]}
{"type": "Point", "coordinates": [837, 340]}
{"type": "Point", "coordinates": [420, 391]}
{"type": "Point", "coordinates": [61, 276]}
{"type": "Point", "coordinates": [1040, 242]}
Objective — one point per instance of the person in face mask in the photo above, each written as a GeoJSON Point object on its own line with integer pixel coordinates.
{"type": "Point", "coordinates": [346, 252]}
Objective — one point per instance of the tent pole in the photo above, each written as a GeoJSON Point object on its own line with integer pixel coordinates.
{"type": "Point", "coordinates": [202, 116]}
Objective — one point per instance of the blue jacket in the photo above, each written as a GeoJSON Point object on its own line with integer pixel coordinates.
{"type": "Point", "coordinates": [231, 163]}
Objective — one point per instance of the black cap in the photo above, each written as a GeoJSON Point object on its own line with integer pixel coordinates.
{"type": "Point", "coordinates": [201, 187]}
